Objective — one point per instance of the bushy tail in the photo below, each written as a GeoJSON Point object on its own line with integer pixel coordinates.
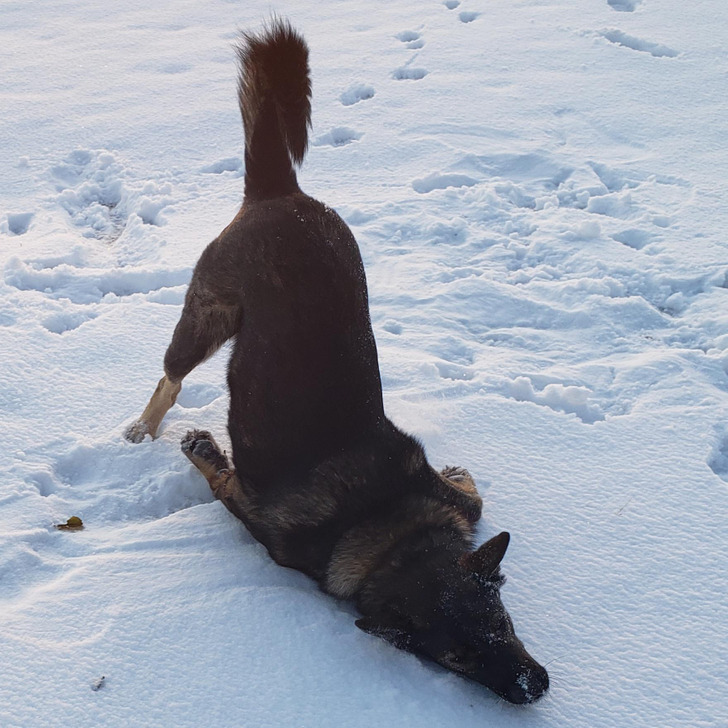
{"type": "Point", "coordinates": [274, 92]}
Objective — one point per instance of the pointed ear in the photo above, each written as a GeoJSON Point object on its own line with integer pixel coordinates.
{"type": "Point", "coordinates": [485, 560]}
{"type": "Point", "coordinates": [394, 635]}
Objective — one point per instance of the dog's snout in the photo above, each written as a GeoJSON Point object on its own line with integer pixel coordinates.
{"type": "Point", "coordinates": [529, 686]}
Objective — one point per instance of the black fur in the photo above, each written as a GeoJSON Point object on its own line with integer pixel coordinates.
{"type": "Point", "coordinates": [321, 477]}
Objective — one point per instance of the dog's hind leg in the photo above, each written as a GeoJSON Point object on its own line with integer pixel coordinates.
{"type": "Point", "coordinates": [205, 454]}
{"type": "Point", "coordinates": [457, 487]}
{"type": "Point", "coordinates": [207, 322]}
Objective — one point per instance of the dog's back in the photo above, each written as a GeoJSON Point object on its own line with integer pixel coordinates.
{"type": "Point", "coordinates": [304, 378]}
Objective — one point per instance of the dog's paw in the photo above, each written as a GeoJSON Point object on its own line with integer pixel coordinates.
{"type": "Point", "coordinates": [196, 443]}
{"type": "Point", "coordinates": [200, 447]}
{"type": "Point", "coordinates": [457, 474]}
{"type": "Point", "coordinates": [137, 431]}
{"type": "Point", "coordinates": [192, 436]}
{"type": "Point", "coordinates": [462, 483]}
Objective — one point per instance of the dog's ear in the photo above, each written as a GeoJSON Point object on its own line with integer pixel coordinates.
{"type": "Point", "coordinates": [485, 560]}
{"type": "Point", "coordinates": [390, 632]}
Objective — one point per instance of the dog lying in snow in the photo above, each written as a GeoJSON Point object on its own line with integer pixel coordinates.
{"type": "Point", "coordinates": [319, 475]}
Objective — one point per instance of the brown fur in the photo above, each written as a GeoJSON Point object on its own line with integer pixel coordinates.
{"type": "Point", "coordinates": [165, 395]}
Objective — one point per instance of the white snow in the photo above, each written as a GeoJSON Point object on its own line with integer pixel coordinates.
{"type": "Point", "coordinates": [538, 190]}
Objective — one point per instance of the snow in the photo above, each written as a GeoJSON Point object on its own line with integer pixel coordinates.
{"type": "Point", "coordinates": [538, 189]}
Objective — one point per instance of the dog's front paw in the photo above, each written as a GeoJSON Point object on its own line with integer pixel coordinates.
{"type": "Point", "coordinates": [137, 431]}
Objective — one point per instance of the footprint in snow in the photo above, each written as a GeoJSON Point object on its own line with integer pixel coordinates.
{"type": "Point", "coordinates": [392, 327]}
{"type": "Point", "coordinates": [718, 462]}
{"type": "Point", "coordinates": [339, 136]}
{"type": "Point", "coordinates": [407, 73]}
{"type": "Point", "coordinates": [355, 94]}
{"type": "Point", "coordinates": [458, 274]}
{"type": "Point", "coordinates": [91, 192]}
{"type": "Point", "coordinates": [196, 396]}
{"type": "Point", "coordinates": [616, 180]}
{"type": "Point", "coordinates": [229, 164]}
{"type": "Point", "coordinates": [62, 322]}
{"type": "Point", "coordinates": [557, 397]}
{"type": "Point", "coordinates": [624, 6]}
{"type": "Point", "coordinates": [633, 238]}
{"type": "Point", "coordinates": [517, 177]}
{"type": "Point", "coordinates": [622, 194]}
{"type": "Point", "coordinates": [454, 372]}
{"type": "Point", "coordinates": [456, 352]}
{"type": "Point", "coordinates": [468, 16]}
{"type": "Point", "coordinates": [85, 285]}
{"type": "Point", "coordinates": [451, 4]}
{"type": "Point", "coordinates": [17, 223]}
{"type": "Point", "coordinates": [113, 481]}
{"type": "Point", "coordinates": [411, 38]}
{"type": "Point", "coordinates": [620, 38]}
{"type": "Point", "coordinates": [534, 170]}
{"type": "Point", "coordinates": [439, 181]}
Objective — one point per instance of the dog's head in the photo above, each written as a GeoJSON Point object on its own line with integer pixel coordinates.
{"type": "Point", "coordinates": [454, 615]}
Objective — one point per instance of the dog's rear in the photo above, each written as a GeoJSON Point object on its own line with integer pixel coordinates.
{"type": "Point", "coordinates": [286, 279]}
{"type": "Point", "coordinates": [304, 379]}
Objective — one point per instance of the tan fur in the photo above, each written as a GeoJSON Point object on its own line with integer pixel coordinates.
{"type": "Point", "coordinates": [457, 488]}
{"type": "Point", "coordinates": [165, 395]}
{"type": "Point", "coordinates": [459, 478]}
{"type": "Point", "coordinates": [362, 549]}
{"type": "Point", "coordinates": [216, 476]}
{"type": "Point", "coordinates": [216, 469]}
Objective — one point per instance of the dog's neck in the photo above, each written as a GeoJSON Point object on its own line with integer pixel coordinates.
{"type": "Point", "coordinates": [369, 549]}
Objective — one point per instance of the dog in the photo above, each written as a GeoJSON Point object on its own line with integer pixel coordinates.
{"type": "Point", "coordinates": [319, 475]}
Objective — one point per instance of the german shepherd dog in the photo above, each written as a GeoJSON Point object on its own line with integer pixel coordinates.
{"type": "Point", "coordinates": [319, 475]}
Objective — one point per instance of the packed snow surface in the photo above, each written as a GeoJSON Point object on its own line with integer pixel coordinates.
{"type": "Point", "coordinates": [538, 190]}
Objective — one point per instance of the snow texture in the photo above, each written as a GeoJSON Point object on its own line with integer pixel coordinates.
{"type": "Point", "coordinates": [538, 190]}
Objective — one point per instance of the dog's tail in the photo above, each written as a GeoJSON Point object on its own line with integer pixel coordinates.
{"type": "Point", "coordinates": [274, 92]}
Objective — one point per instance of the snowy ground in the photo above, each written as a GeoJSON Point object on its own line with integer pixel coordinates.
{"type": "Point", "coordinates": [538, 189]}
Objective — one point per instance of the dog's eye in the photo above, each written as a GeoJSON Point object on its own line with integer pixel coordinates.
{"type": "Point", "coordinates": [456, 658]}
